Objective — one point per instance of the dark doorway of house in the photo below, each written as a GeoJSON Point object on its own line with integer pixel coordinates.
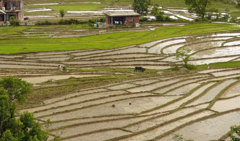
{"type": "Point", "coordinates": [118, 20]}
{"type": "Point", "coordinates": [1, 17]}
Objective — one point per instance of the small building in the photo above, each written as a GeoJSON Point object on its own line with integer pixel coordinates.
{"type": "Point", "coordinates": [124, 18]}
{"type": "Point", "coordinates": [11, 8]}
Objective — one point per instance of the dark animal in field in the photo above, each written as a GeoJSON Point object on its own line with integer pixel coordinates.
{"type": "Point", "coordinates": [141, 69]}
{"type": "Point", "coordinates": [26, 18]}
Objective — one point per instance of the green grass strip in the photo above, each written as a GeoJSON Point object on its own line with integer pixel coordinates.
{"type": "Point", "coordinates": [106, 41]}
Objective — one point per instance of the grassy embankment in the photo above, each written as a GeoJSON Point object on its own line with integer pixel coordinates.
{"type": "Point", "coordinates": [103, 41]}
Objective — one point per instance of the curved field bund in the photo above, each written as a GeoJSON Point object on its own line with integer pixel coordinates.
{"type": "Point", "coordinates": [200, 105]}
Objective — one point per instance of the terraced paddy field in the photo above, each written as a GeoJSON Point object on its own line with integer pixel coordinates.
{"type": "Point", "coordinates": [100, 97]}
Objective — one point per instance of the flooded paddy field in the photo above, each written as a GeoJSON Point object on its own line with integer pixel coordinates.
{"type": "Point", "coordinates": [119, 103]}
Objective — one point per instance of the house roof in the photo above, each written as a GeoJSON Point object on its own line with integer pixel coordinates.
{"type": "Point", "coordinates": [2, 12]}
{"type": "Point", "coordinates": [121, 13]}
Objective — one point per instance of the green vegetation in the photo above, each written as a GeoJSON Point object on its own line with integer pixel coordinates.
{"type": "Point", "coordinates": [225, 64]}
{"type": "Point", "coordinates": [159, 14]}
{"type": "Point", "coordinates": [14, 22]}
{"type": "Point", "coordinates": [61, 13]}
{"type": "Point", "coordinates": [25, 128]}
{"type": "Point", "coordinates": [234, 133]}
{"type": "Point", "coordinates": [67, 86]}
{"type": "Point", "coordinates": [184, 55]}
{"type": "Point", "coordinates": [141, 6]}
{"type": "Point", "coordinates": [198, 6]}
{"type": "Point", "coordinates": [106, 41]}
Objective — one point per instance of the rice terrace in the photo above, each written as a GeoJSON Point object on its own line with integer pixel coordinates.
{"type": "Point", "coordinates": [119, 70]}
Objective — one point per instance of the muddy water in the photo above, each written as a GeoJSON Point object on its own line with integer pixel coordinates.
{"type": "Point", "coordinates": [178, 103]}
{"type": "Point", "coordinates": [204, 45]}
{"type": "Point", "coordinates": [227, 51]}
{"type": "Point", "coordinates": [209, 129]}
{"type": "Point", "coordinates": [172, 49]}
{"type": "Point", "coordinates": [39, 10]}
{"type": "Point", "coordinates": [232, 43]}
{"type": "Point", "coordinates": [149, 135]}
{"type": "Point", "coordinates": [226, 73]}
{"type": "Point", "coordinates": [157, 49]}
{"type": "Point", "coordinates": [212, 60]}
{"type": "Point", "coordinates": [152, 86]}
{"type": "Point", "coordinates": [233, 91]}
{"type": "Point", "coordinates": [225, 34]}
{"type": "Point", "coordinates": [226, 105]}
{"type": "Point", "coordinates": [121, 107]}
{"type": "Point", "coordinates": [212, 93]}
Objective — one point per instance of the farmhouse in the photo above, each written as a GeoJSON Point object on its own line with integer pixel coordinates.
{"type": "Point", "coordinates": [124, 18]}
{"type": "Point", "coordinates": [11, 8]}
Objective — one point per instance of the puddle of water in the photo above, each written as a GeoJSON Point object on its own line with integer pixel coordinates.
{"type": "Point", "coordinates": [150, 18]}
{"type": "Point", "coordinates": [162, 119]}
{"type": "Point", "coordinates": [39, 10]}
{"type": "Point", "coordinates": [152, 86]}
{"type": "Point", "coordinates": [204, 44]}
{"type": "Point", "coordinates": [157, 49]}
{"type": "Point", "coordinates": [106, 135]}
{"type": "Point", "coordinates": [222, 38]}
{"type": "Point", "coordinates": [226, 34]}
{"type": "Point", "coordinates": [209, 129]}
{"type": "Point", "coordinates": [35, 80]}
{"type": "Point", "coordinates": [211, 94]}
{"type": "Point", "coordinates": [209, 61]}
{"type": "Point", "coordinates": [183, 17]}
{"type": "Point", "coordinates": [172, 49]}
{"type": "Point", "coordinates": [232, 43]}
{"type": "Point", "coordinates": [178, 15]}
{"type": "Point", "coordinates": [171, 59]}
{"type": "Point", "coordinates": [180, 84]}
{"type": "Point", "coordinates": [232, 91]}
{"type": "Point", "coordinates": [96, 12]}
{"type": "Point", "coordinates": [228, 51]}
{"type": "Point", "coordinates": [225, 73]}
{"type": "Point", "coordinates": [183, 90]}
{"type": "Point", "coordinates": [149, 135]}
{"type": "Point", "coordinates": [174, 17]}
{"type": "Point", "coordinates": [147, 45]}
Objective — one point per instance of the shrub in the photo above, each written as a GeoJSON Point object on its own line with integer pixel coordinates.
{"type": "Point", "coordinates": [61, 13]}
{"type": "Point", "coordinates": [14, 22]}
{"type": "Point", "coordinates": [61, 22]}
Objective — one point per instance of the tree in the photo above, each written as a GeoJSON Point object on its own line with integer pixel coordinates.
{"type": "Point", "coordinates": [12, 128]}
{"type": "Point", "coordinates": [198, 6]}
{"type": "Point", "coordinates": [238, 3]}
{"type": "Point", "coordinates": [184, 55]}
{"type": "Point", "coordinates": [61, 13]}
{"type": "Point", "coordinates": [159, 14]}
{"type": "Point", "coordinates": [141, 6]}
{"type": "Point", "coordinates": [16, 88]}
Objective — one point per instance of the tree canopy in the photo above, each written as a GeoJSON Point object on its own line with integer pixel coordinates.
{"type": "Point", "coordinates": [24, 128]}
{"type": "Point", "coordinates": [198, 6]}
{"type": "Point", "coordinates": [141, 6]}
